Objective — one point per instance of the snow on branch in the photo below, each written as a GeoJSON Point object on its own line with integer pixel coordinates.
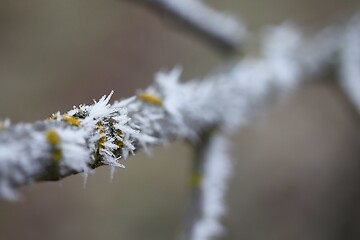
{"type": "Point", "coordinates": [224, 30]}
{"type": "Point", "coordinates": [89, 136]}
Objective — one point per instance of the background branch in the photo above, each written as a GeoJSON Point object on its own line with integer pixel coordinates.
{"type": "Point", "coordinates": [220, 30]}
{"type": "Point", "coordinates": [208, 184]}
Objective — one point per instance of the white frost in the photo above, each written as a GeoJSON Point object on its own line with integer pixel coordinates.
{"type": "Point", "coordinates": [213, 187]}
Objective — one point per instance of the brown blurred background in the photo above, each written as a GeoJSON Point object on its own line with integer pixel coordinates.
{"type": "Point", "coordinates": [296, 171]}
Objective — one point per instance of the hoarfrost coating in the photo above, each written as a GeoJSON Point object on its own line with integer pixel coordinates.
{"type": "Point", "coordinates": [214, 184]}
{"type": "Point", "coordinates": [104, 133]}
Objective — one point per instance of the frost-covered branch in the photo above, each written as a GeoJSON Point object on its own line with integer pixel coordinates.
{"type": "Point", "coordinates": [102, 134]}
{"type": "Point", "coordinates": [208, 181]}
{"type": "Point", "coordinates": [214, 26]}
{"type": "Point", "coordinates": [90, 136]}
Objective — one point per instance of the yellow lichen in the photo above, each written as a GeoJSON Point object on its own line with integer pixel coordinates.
{"type": "Point", "coordinates": [119, 133]}
{"type": "Point", "coordinates": [53, 117]}
{"type": "Point", "coordinates": [102, 140]}
{"type": "Point", "coordinates": [72, 120]}
{"type": "Point", "coordinates": [52, 137]}
{"type": "Point", "coordinates": [195, 179]}
{"type": "Point", "coordinates": [119, 143]}
{"type": "Point", "coordinates": [150, 98]}
{"type": "Point", "coordinates": [100, 127]}
{"type": "Point", "coordinates": [56, 155]}
{"type": "Point", "coordinates": [69, 119]}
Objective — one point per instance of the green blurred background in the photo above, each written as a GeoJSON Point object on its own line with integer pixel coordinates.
{"type": "Point", "coordinates": [296, 170]}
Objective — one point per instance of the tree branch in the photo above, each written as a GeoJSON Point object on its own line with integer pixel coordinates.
{"type": "Point", "coordinates": [221, 30]}
{"type": "Point", "coordinates": [208, 182]}
{"type": "Point", "coordinates": [102, 134]}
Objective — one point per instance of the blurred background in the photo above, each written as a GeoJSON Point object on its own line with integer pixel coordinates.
{"type": "Point", "coordinates": [296, 170]}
